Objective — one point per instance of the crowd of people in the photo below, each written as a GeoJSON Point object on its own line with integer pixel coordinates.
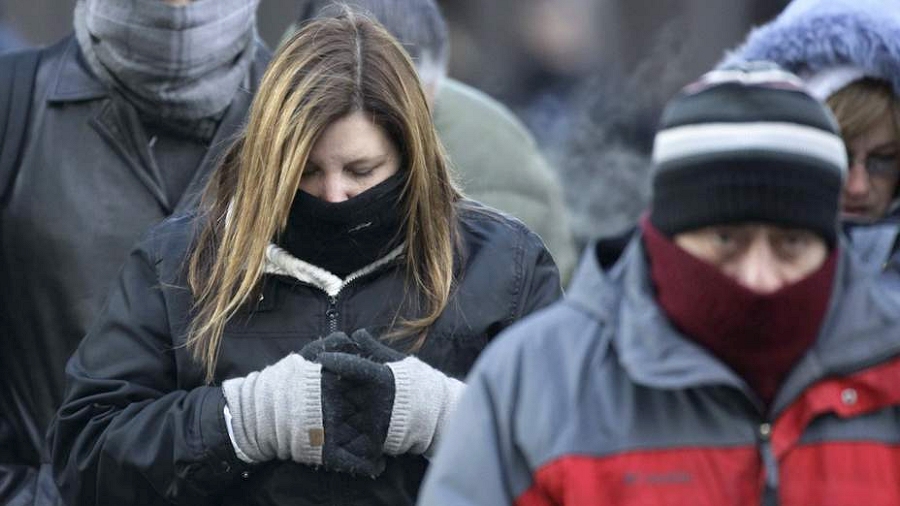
{"type": "Point", "coordinates": [331, 274]}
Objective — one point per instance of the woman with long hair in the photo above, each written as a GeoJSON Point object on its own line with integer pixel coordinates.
{"type": "Point", "coordinates": [300, 338]}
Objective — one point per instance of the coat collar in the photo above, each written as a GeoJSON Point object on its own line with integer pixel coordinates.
{"type": "Point", "coordinates": [278, 261]}
{"type": "Point", "coordinates": [72, 79]}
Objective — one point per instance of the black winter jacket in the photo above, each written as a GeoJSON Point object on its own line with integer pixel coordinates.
{"type": "Point", "coordinates": [139, 426]}
{"type": "Point", "coordinates": [87, 189]}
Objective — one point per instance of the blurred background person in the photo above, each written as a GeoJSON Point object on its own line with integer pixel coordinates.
{"type": "Point", "coordinates": [642, 52]}
{"type": "Point", "coordinates": [333, 212]}
{"type": "Point", "coordinates": [494, 157]}
{"type": "Point", "coordinates": [129, 114]}
{"type": "Point", "coordinates": [848, 53]}
{"type": "Point", "coordinates": [587, 77]}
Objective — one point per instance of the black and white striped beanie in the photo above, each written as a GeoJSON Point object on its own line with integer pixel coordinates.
{"type": "Point", "coordinates": [747, 144]}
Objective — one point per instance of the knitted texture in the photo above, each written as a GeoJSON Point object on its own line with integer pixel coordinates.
{"type": "Point", "coordinates": [424, 399]}
{"type": "Point", "coordinates": [358, 396]}
{"type": "Point", "coordinates": [747, 144]}
{"type": "Point", "coordinates": [276, 413]}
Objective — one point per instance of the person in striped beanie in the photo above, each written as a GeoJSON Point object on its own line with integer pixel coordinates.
{"type": "Point", "coordinates": [737, 353]}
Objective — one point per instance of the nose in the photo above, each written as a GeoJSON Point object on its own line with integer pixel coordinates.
{"type": "Point", "coordinates": [758, 269]}
{"type": "Point", "coordinates": [857, 184]}
{"type": "Point", "coordinates": [333, 189]}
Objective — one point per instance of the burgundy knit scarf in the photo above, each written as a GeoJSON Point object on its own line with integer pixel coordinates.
{"type": "Point", "coordinates": [760, 336]}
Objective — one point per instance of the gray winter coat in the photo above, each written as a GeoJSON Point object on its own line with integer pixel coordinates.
{"type": "Point", "coordinates": [599, 400]}
{"type": "Point", "coordinates": [87, 189]}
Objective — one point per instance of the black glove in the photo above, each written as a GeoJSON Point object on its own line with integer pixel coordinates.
{"type": "Point", "coordinates": [336, 341]}
{"type": "Point", "coordinates": [373, 349]}
{"type": "Point", "coordinates": [357, 398]}
{"type": "Point", "coordinates": [383, 401]}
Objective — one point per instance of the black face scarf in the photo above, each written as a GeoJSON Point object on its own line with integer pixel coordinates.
{"type": "Point", "coordinates": [346, 236]}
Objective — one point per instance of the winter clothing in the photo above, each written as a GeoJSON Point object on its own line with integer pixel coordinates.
{"type": "Point", "coordinates": [747, 144]}
{"type": "Point", "coordinates": [343, 412]}
{"type": "Point", "coordinates": [424, 400]}
{"type": "Point", "coordinates": [498, 163]}
{"type": "Point", "coordinates": [276, 412]}
{"type": "Point", "coordinates": [574, 415]}
{"type": "Point", "coordinates": [761, 336]}
{"type": "Point", "coordinates": [9, 40]}
{"type": "Point", "coordinates": [830, 43]}
{"type": "Point", "coordinates": [494, 157]}
{"type": "Point", "coordinates": [88, 186]}
{"type": "Point", "coordinates": [171, 62]}
{"type": "Point", "coordinates": [599, 400]}
{"type": "Point", "coordinates": [155, 390]}
{"type": "Point", "coordinates": [875, 243]}
{"type": "Point", "coordinates": [407, 409]}
{"type": "Point", "coordinates": [342, 237]}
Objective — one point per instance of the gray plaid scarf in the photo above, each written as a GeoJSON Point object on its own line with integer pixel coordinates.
{"type": "Point", "coordinates": [181, 63]}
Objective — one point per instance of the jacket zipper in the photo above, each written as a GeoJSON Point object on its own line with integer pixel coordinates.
{"type": "Point", "coordinates": [331, 314]}
{"type": "Point", "coordinates": [770, 465]}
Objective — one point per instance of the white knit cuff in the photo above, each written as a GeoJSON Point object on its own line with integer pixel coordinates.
{"type": "Point", "coordinates": [423, 400]}
{"type": "Point", "coordinates": [276, 413]}
{"type": "Point", "coordinates": [308, 446]}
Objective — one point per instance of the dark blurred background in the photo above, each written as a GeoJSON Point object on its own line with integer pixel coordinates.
{"type": "Point", "coordinates": [588, 77]}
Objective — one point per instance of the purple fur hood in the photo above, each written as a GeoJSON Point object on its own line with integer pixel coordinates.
{"type": "Point", "coordinates": [849, 38]}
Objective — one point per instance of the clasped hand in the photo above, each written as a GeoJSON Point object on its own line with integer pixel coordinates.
{"type": "Point", "coordinates": [343, 402]}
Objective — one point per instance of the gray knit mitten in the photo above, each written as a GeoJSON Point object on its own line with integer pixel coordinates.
{"type": "Point", "coordinates": [276, 413]}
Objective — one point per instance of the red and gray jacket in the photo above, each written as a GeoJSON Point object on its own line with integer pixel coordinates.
{"type": "Point", "coordinates": [598, 400]}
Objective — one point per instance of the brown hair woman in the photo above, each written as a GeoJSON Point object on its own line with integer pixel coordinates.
{"type": "Point", "coordinates": [868, 112]}
{"type": "Point", "coordinates": [300, 339]}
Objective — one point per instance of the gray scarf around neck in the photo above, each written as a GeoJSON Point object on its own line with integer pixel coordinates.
{"type": "Point", "coordinates": [173, 63]}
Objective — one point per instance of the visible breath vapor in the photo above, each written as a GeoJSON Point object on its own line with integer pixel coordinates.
{"type": "Point", "coordinates": [605, 164]}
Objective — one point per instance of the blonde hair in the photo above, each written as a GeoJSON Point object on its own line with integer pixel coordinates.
{"type": "Point", "coordinates": [328, 69]}
{"type": "Point", "coordinates": [862, 104]}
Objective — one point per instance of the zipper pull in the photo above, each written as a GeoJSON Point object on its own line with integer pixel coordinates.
{"type": "Point", "coordinates": [332, 314]}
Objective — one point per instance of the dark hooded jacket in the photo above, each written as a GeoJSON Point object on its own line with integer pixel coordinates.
{"type": "Point", "coordinates": [87, 188]}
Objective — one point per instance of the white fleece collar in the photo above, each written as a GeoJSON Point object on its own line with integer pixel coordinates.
{"type": "Point", "coordinates": [279, 261]}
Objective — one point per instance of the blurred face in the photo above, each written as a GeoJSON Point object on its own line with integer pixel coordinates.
{"type": "Point", "coordinates": [762, 258]}
{"type": "Point", "coordinates": [873, 174]}
{"type": "Point", "coordinates": [351, 155]}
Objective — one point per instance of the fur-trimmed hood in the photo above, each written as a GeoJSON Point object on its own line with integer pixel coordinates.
{"type": "Point", "coordinates": [810, 37]}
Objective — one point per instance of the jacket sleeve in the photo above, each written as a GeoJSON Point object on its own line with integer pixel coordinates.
{"type": "Point", "coordinates": [17, 480]}
{"type": "Point", "coordinates": [128, 432]}
{"type": "Point", "coordinates": [540, 278]}
{"type": "Point", "coordinates": [478, 462]}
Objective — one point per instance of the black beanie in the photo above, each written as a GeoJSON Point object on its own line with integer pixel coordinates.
{"type": "Point", "coordinates": [747, 144]}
